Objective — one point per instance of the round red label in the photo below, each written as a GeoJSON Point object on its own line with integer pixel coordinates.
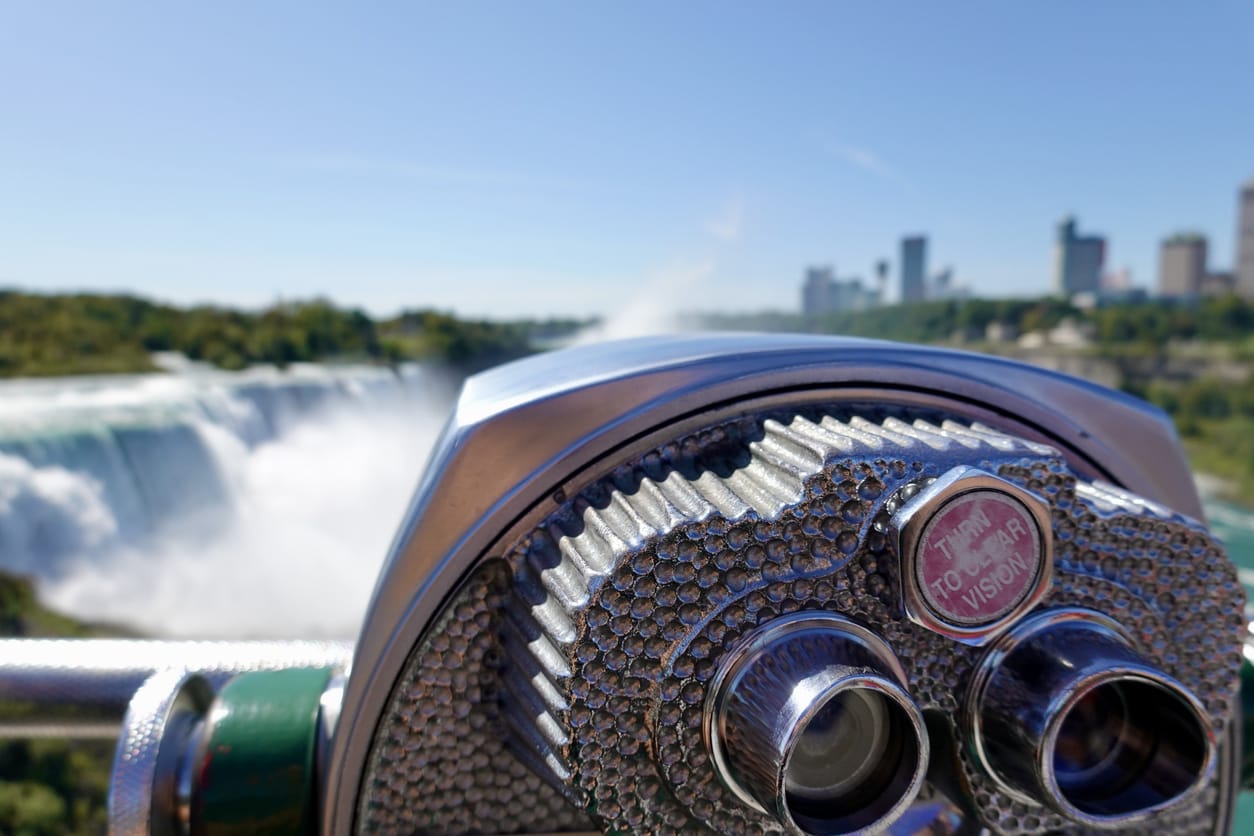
{"type": "Point", "coordinates": [978, 557]}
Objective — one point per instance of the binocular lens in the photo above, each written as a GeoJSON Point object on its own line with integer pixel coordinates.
{"type": "Point", "coordinates": [808, 720]}
{"type": "Point", "coordinates": [1068, 713]}
{"type": "Point", "coordinates": [1095, 738]}
{"type": "Point", "coordinates": [1128, 745]}
{"type": "Point", "coordinates": [852, 760]}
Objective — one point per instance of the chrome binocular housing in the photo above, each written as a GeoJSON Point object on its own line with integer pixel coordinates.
{"type": "Point", "coordinates": [796, 585]}
{"type": "Point", "coordinates": [746, 584]}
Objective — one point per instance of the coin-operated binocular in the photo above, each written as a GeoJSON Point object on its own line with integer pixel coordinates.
{"type": "Point", "coordinates": [747, 585]}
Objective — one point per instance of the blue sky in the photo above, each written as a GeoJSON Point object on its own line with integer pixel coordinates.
{"type": "Point", "coordinates": [525, 158]}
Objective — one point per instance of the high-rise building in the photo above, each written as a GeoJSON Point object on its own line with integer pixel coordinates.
{"type": "Point", "coordinates": [1218, 284]}
{"type": "Point", "coordinates": [823, 293]}
{"type": "Point", "coordinates": [816, 291]}
{"type": "Point", "coordinates": [1245, 242]}
{"type": "Point", "coordinates": [1078, 260]}
{"type": "Point", "coordinates": [914, 268]}
{"type": "Point", "coordinates": [1182, 265]}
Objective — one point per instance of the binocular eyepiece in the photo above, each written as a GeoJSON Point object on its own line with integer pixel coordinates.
{"type": "Point", "coordinates": [809, 721]}
{"type": "Point", "coordinates": [1065, 711]}
{"type": "Point", "coordinates": [791, 585]}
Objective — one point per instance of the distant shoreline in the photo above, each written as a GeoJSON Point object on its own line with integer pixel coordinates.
{"type": "Point", "coordinates": [55, 335]}
{"type": "Point", "coordinates": [1213, 487]}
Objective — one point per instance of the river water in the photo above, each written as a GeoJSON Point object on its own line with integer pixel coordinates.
{"type": "Point", "coordinates": [259, 503]}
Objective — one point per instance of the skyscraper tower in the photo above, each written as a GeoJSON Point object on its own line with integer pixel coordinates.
{"type": "Point", "coordinates": [1182, 265]}
{"type": "Point", "coordinates": [913, 268]}
{"type": "Point", "coordinates": [1078, 260]}
{"type": "Point", "coordinates": [817, 291]}
{"type": "Point", "coordinates": [1245, 241]}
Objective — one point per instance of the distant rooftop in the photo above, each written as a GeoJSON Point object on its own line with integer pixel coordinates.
{"type": "Point", "coordinates": [1186, 238]}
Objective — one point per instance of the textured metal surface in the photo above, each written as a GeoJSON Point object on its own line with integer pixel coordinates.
{"type": "Point", "coordinates": [440, 763]}
{"type": "Point", "coordinates": [81, 687]}
{"type": "Point", "coordinates": [145, 765]}
{"type": "Point", "coordinates": [591, 644]}
{"type": "Point", "coordinates": [531, 433]}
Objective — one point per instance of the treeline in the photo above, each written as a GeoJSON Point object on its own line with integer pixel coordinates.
{"type": "Point", "coordinates": [96, 334]}
{"type": "Point", "coordinates": [49, 787]}
{"type": "Point", "coordinates": [1204, 400]}
{"type": "Point", "coordinates": [923, 322]}
{"type": "Point", "coordinates": [468, 345]}
{"type": "Point", "coordinates": [1146, 324]}
{"type": "Point", "coordinates": [1215, 419]}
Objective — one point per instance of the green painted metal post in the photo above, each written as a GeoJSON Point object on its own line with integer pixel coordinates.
{"type": "Point", "coordinates": [254, 769]}
{"type": "Point", "coordinates": [1243, 821]}
{"type": "Point", "coordinates": [1247, 725]}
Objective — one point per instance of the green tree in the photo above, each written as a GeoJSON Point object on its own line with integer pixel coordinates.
{"type": "Point", "coordinates": [31, 809]}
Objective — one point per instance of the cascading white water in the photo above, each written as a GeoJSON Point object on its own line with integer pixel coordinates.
{"type": "Point", "coordinates": [209, 503]}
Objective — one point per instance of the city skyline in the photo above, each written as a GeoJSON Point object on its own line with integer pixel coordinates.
{"type": "Point", "coordinates": [501, 160]}
{"type": "Point", "coordinates": [1079, 270]}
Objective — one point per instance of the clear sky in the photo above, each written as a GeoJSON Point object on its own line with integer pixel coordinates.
{"type": "Point", "coordinates": [525, 158]}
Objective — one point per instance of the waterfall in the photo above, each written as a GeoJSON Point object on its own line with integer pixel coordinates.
{"type": "Point", "coordinates": [250, 504]}
{"type": "Point", "coordinates": [207, 503]}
